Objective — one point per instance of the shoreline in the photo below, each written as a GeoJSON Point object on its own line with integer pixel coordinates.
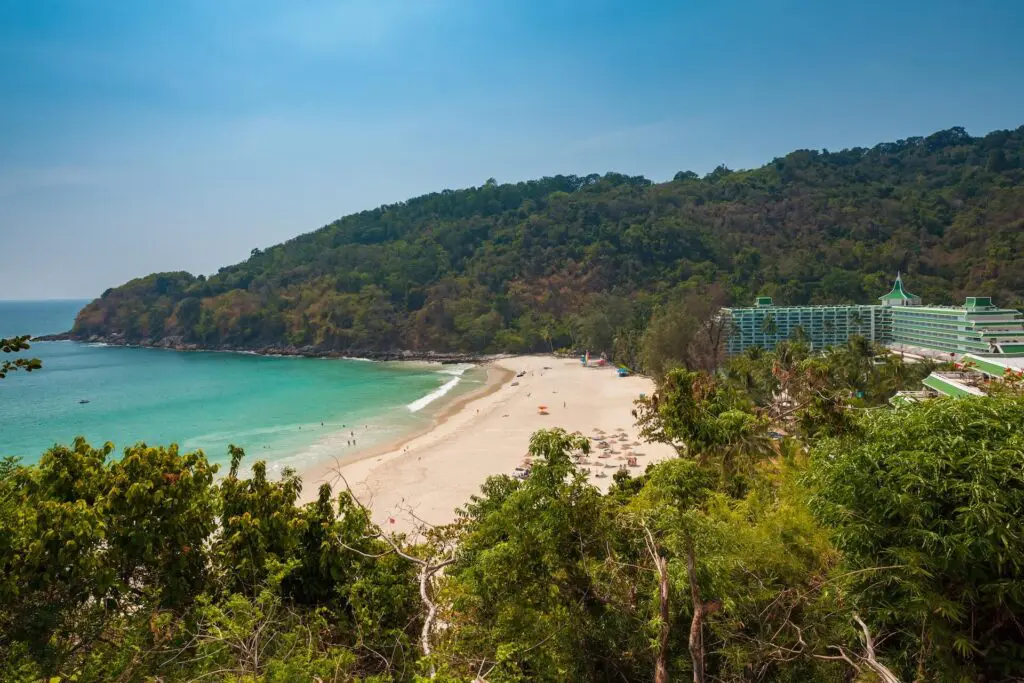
{"type": "Point", "coordinates": [423, 478]}
{"type": "Point", "coordinates": [286, 351]}
{"type": "Point", "coordinates": [316, 475]}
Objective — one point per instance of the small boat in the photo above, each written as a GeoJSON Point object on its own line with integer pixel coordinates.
{"type": "Point", "coordinates": [84, 400]}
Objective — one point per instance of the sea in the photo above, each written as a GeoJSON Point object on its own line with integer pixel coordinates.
{"type": "Point", "coordinates": [296, 412]}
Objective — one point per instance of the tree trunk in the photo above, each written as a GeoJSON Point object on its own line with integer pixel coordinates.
{"type": "Point", "coordinates": [661, 666]}
{"type": "Point", "coordinates": [697, 625]}
{"type": "Point", "coordinates": [426, 572]}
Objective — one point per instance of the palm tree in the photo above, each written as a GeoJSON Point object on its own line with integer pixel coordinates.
{"type": "Point", "coordinates": [860, 347]}
{"type": "Point", "coordinates": [768, 326]}
{"type": "Point", "coordinates": [856, 320]}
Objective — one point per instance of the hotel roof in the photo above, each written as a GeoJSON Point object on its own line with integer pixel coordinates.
{"type": "Point", "coordinates": [897, 293]}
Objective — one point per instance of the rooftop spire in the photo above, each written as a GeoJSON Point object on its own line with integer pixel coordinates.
{"type": "Point", "coordinates": [898, 296]}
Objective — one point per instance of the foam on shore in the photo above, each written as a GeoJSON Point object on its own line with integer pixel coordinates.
{"type": "Point", "coordinates": [456, 371]}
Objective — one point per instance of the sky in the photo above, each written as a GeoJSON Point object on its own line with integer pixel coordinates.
{"type": "Point", "coordinates": [162, 135]}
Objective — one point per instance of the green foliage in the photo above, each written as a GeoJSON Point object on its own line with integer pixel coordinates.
{"type": "Point", "coordinates": [815, 394]}
{"type": "Point", "coordinates": [259, 522]}
{"type": "Point", "coordinates": [555, 582]}
{"type": "Point", "coordinates": [16, 345]}
{"type": "Point", "coordinates": [583, 262]}
{"type": "Point", "coordinates": [925, 505]}
{"type": "Point", "coordinates": [160, 510]}
{"type": "Point", "coordinates": [143, 567]}
{"type": "Point", "coordinates": [706, 421]}
{"type": "Point", "coordinates": [761, 551]}
{"type": "Point", "coordinates": [520, 590]}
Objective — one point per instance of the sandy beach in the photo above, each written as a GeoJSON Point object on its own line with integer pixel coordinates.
{"type": "Point", "coordinates": [487, 432]}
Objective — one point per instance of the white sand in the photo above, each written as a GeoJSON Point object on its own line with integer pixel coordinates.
{"type": "Point", "coordinates": [430, 475]}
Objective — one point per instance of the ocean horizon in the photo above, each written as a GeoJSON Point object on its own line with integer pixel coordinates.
{"type": "Point", "coordinates": [298, 412]}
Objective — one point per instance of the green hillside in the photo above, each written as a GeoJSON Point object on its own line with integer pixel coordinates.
{"type": "Point", "coordinates": [583, 261]}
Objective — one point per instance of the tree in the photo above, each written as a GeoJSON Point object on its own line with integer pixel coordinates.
{"type": "Point", "coordinates": [923, 503]}
{"type": "Point", "coordinates": [704, 421]}
{"type": "Point", "coordinates": [542, 538]}
{"type": "Point", "coordinates": [689, 332]}
{"type": "Point", "coordinates": [121, 569]}
{"type": "Point", "coordinates": [856, 321]}
{"type": "Point", "coordinates": [798, 334]}
{"type": "Point", "coordinates": [259, 523]}
{"type": "Point", "coordinates": [16, 345]}
{"type": "Point", "coordinates": [568, 246]}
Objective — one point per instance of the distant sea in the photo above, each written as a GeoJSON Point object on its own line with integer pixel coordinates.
{"type": "Point", "coordinates": [288, 411]}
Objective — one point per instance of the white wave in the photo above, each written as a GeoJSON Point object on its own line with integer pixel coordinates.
{"type": "Point", "coordinates": [456, 371]}
{"type": "Point", "coordinates": [421, 403]}
{"type": "Point", "coordinates": [361, 360]}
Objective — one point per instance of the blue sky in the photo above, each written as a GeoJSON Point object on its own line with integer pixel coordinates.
{"type": "Point", "coordinates": [178, 135]}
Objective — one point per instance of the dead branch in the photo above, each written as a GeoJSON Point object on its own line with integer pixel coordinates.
{"type": "Point", "coordinates": [429, 567]}
{"type": "Point", "coordinates": [661, 662]}
{"type": "Point", "coordinates": [869, 655]}
{"type": "Point", "coordinates": [697, 625]}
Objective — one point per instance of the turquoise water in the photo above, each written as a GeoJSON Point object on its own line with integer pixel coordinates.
{"type": "Point", "coordinates": [272, 407]}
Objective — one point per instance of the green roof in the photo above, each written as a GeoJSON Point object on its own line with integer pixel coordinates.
{"type": "Point", "coordinates": [949, 388]}
{"type": "Point", "coordinates": [897, 293]}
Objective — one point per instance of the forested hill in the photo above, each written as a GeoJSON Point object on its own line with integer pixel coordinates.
{"type": "Point", "coordinates": [583, 261]}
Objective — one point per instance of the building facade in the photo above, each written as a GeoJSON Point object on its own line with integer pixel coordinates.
{"type": "Point", "coordinates": [899, 320]}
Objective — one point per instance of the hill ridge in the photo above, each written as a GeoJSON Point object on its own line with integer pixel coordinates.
{"type": "Point", "coordinates": [584, 261]}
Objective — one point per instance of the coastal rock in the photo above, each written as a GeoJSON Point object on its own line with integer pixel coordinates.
{"type": "Point", "coordinates": [307, 351]}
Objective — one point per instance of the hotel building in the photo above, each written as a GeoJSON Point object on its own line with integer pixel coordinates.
{"type": "Point", "coordinates": [899, 321]}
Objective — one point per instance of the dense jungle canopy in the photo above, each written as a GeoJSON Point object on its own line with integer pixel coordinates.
{"type": "Point", "coordinates": [570, 261]}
